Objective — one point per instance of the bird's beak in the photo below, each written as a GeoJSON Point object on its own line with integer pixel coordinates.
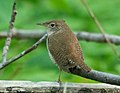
{"type": "Point", "coordinates": [42, 24]}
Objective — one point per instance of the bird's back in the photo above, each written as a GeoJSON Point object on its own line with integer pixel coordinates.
{"type": "Point", "coordinates": [64, 47]}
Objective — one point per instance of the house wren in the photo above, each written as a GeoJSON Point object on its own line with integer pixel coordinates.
{"type": "Point", "coordinates": [63, 46]}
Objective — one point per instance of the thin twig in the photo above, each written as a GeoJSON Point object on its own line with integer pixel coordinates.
{"type": "Point", "coordinates": [8, 40]}
{"type": "Point", "coordinates": [99, 27]}
{"type": "Point", "coordinates": [81, 35]}
{"type": "Point", "coordinates": [34, 46]}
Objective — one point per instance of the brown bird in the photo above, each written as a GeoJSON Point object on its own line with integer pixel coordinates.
{"type": "Point", "coordinates": [63, 46]}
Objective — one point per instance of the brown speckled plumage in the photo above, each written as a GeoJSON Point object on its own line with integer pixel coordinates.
{"type": "Point", "coordinates": [64, 47]}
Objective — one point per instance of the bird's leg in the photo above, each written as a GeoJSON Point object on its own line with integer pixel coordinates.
{"type": "Point", "coordinates": [60, 71]}
{"type": "Point", "coordinates": [59, 80]}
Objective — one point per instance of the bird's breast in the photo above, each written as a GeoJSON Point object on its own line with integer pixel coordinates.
{"type": "Point", "coordinates": [57, 47]}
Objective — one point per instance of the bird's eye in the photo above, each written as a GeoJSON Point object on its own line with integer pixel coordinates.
{"type": "Point", "coordinates": [52, 24]}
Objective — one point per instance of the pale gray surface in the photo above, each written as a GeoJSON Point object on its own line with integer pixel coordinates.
{"type": "Point", "coordinates": [54, 87]}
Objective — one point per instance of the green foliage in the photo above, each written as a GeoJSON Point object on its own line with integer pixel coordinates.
{"type": "Point", "coordinates": [37, 66]}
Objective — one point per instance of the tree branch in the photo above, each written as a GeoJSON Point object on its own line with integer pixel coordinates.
{"type": "Point", "coordinates": [34, 46]}
{"type": "Point", "coordinates": [97, 76]}
{"type": "Point", "coordinates": [9, 36]}
{"type": "Point", "coordinates": [97, 37]}
{"type": "Point", "coordinates": [81, 35]}
{"type": "Point", "coordinates": [54, 87]}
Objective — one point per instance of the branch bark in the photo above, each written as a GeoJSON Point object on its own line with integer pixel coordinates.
{"type": "Point", "coordinates": [9, 36]}
{"type": "Point", "coordinates": [54, 87]}
{"type": "Point", "coordinates": [98, 76]}
{"type": "Point", "coordinates": [81, 35]}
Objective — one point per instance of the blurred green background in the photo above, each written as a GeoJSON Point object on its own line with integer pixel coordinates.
{"type": "Point", "coordinates": [37, 66]}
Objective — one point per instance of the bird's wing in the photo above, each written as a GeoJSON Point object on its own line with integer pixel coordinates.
{"type": "Point", "coordinates": [76, 57]}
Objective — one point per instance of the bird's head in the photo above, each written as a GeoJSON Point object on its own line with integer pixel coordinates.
{"type": "Point", "coordinates": [53, 26]}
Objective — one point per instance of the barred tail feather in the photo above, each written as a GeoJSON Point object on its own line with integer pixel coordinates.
{"type": "Point", "coordinates": [84, 67]}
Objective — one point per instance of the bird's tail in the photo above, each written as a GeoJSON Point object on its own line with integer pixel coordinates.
{"type": "Point", "coordinates": [84, 67]}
